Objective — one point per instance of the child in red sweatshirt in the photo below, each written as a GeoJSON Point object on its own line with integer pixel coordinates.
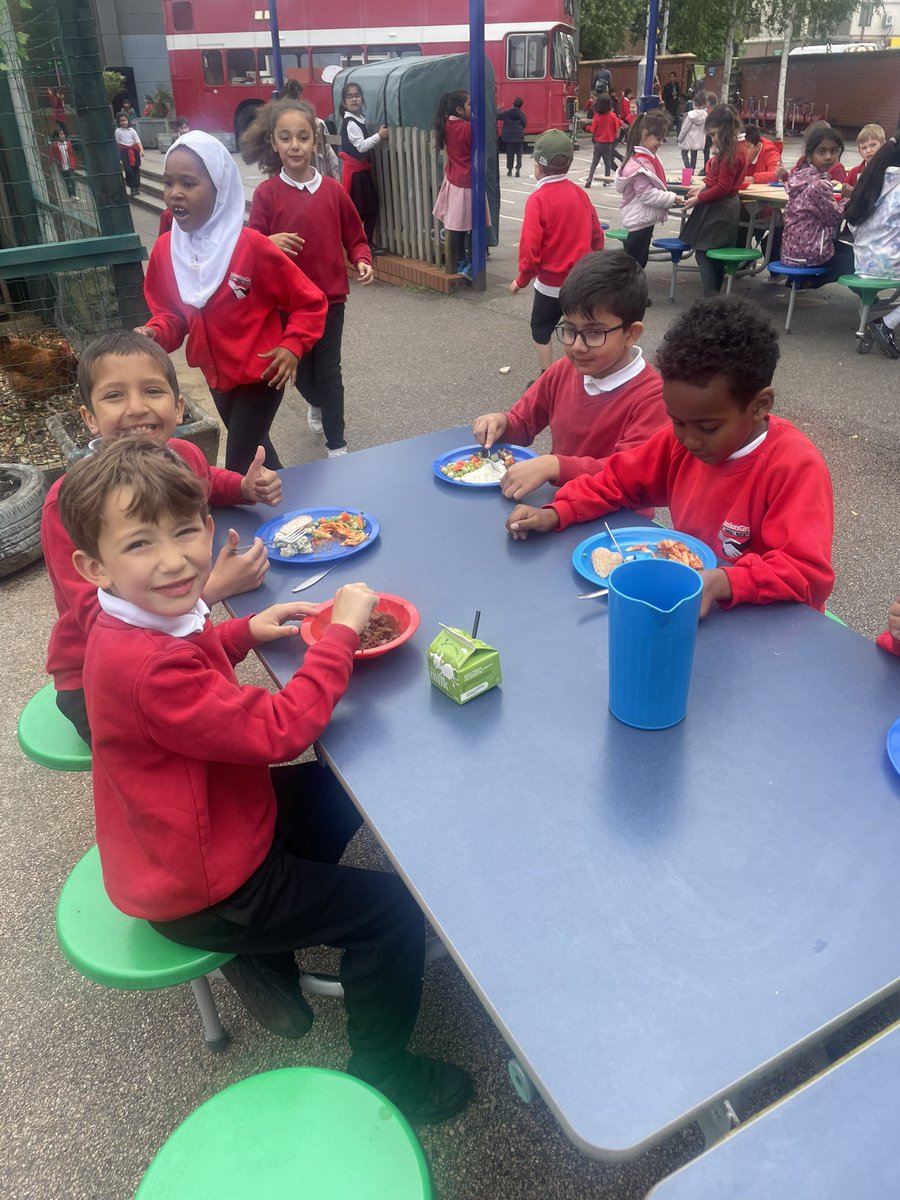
{"type": "Point", "coordinates": [559, 227]}
{"type": "Point", "coordinates": [601, 397]}
{"type": "Point", "coordinates": [196, 834]}
{"type": "Point", "coordinates": [129, 388]}
{"type": "Point", "coordinates": [748, 484]}
{"type": "Point", "coordinates": [890, 639]}
{"type": "Point", "coordinates": [249, 314]}
{"type": "Point", "coordinates": [312, 219]}
{"type": "Point", "coordinates": [605, 128]}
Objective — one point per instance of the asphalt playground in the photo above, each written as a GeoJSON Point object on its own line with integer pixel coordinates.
{"type": "Point", "coordinates": [96, 1079]}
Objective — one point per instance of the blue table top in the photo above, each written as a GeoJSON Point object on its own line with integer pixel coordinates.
{"type": "Point", "coordinates": [647, 917]}
{"type": "Point", "coordinates": [832, 1140]}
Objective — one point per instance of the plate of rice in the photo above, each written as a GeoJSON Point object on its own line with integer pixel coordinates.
{"type": "Point", "coordinates": [469, 466]}
{"type": "Point", "coordinates": [393, 622]}
{"type": "Point", "coordinates": [318, 535]}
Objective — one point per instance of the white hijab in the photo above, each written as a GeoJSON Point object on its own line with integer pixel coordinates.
{"type": "Point", "coordinates": [201, 259]}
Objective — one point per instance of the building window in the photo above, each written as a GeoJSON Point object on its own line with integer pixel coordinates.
{"type": "Point", "coordinates": [526, 56]}
{"type": "Point", "coordinates": [182, 16]}
{"type": "Point", "coordinates": [213, 75]}
{"type": "Point", "coordinates": [241, 66]}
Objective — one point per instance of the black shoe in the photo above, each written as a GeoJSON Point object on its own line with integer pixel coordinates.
{"type": "Point", "coordinates": [508, 173]}
{"type": "Point", "coordinates": [426, 1090]}
{"type": "Point", "coordinates": [884, 337]}
{"type": "Point", "coordinates": [649, 302]}
{"type": "Point", "coordinates": [272, 997]}
{"type": "Point", "coordinates": [517, 172]}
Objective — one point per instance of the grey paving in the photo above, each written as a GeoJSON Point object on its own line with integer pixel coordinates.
{"type": "Point", "coordinates": [94, 1080]}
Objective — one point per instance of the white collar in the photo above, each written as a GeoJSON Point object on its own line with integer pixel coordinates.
{"type": "Point", "coordinates": [609, 383]}
{"type": "Point", "coordinates": [750, 447]}
{"type": "Point", "coordinates": [124, 610]}
{"type": "Point", "coordinates": [311, 185]}
{"type": "Point", "coordinates": [550, 179]}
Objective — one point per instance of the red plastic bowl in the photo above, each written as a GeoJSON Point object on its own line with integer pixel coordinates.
{"type": "Point", "coordinates": [406, 613]}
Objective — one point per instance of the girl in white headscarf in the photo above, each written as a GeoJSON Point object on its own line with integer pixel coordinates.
{"type": "Point", "coordinates": [248, 312]}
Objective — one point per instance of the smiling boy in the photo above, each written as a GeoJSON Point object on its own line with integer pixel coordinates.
{"type": "Point", "coordinates": [602, 397]}
{"type": "Point", "coordinates": [196, 834]}
{"type": "Point", "coordinates": [129, 388]}
{"type": "Point", "coordinates": [747, 483]}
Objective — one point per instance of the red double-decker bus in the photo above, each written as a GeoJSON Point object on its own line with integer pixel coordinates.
{"type": "Point", "coordinates": [220, 51]}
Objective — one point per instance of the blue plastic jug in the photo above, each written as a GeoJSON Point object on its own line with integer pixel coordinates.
{"type": "Point", "coordinates": [654, 607]}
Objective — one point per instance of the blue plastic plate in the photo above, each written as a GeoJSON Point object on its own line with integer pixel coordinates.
{"type": "Point", "coordinates": [330, 553]}
{"type": "Point", "coordinates": [633, 535]}
{"type": "Point", "coordinates": [519, 453]}
{"type": "Point", "coordinates": [893, 745]}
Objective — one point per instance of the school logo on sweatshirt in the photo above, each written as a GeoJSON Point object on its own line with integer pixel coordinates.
{"type": "Point", "coordinates": [735, 539]}
{"type": "Point", "coordinates": [239, 284]}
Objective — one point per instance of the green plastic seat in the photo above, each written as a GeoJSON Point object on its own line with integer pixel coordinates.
{"type": "Point", "coordinates": [867, 290]}
{"type": "Point", "coordinates": [617, 235]}
{"type": "Point", "coordinates": [734, 257]}
{"type": "Point", "coordinates": [108, 947]}
{"type": "Point", "coordinates": [48, 738]}
{"type": "Point", "coordinates": [297, 1132]}
{"type": "Point", "coordinates": [831, 617]}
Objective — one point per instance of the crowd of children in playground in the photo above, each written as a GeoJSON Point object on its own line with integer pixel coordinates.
{"type": "Point", "coordinates": [197, 833]}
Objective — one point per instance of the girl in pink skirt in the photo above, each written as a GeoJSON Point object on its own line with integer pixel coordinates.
{"type": "Point", "coordinates": [452, 126]}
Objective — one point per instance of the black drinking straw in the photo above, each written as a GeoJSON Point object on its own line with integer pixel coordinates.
{"type": "Point", "coordinates": [475, 626]}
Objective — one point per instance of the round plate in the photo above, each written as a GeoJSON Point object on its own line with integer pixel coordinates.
{"type": "Point", "coordinates": [330, 553]}
{"type": "Point", "coordinates": [519, 453]}
{"type": "Point", "coordinates": [406, 613]}
{"type": "Point", "coordinates": [893, 745]}
{"type": "Point", "coordinates": [581, 555]}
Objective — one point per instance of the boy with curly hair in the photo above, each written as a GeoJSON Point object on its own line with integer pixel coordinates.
{"type": "Point", "coordinates": [747, 483]}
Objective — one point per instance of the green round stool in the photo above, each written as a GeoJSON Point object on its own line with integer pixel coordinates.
{"type": "Point", "coordinates": [867, 292]}
{"type": "Point", "coordinates": [734, 257]}
{"type": "Point", "coordinates": [48, 738]}
{"type": "Point", "coordinates": [299, 1131]}
{"type": "Point", "coordinates": [108, 947]}
{"type": "Point", "coordinates": [617, 235]}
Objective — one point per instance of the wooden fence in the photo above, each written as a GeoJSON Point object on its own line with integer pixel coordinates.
{"type": "Point", "coordinates": [409, 171]}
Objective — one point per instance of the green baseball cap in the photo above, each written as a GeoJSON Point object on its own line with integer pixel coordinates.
{"type": "Point", "coordinates": [553, 144]}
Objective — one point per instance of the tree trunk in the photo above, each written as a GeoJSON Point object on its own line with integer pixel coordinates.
{"type": "Point", "coordinates": [733, 26]}
{"type": "Point", "coordinates": [787, 34]}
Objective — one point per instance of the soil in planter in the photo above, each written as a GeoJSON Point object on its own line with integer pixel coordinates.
{"type": "Point", "coordinates": [24, 436]}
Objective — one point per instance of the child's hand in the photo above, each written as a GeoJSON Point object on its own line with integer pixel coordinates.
{"type": "Point", "coordinates": [525, 477]}
{"type": "Point", "coordinates": [524, 520]}
{"type": "Point", "coordinates": [894, 619]}
{"type": "Point", "coordinates": [260, 485]}
{"type": "Point", "coordinates": [290, 243]}
{"type": "Point", "coordinates": [490, 428]}
{"type": "Point", "coordinates": [146, 331]}
{"type": "Point", "coordinates": [365, 272]}
{"type": "Point", "coordinates": [282, 368]}
{"type": "Point", "coordinates": [514, 287]}
{"type": "Point", "coordinates": [234, 573]}
{"type": "Point", "coordinates": [716, 586]}
{"type": "Point", "coordinates": [353, 604]}
{"type": "Point", "coordinates": [384, 133]}
{"type": "Point", "coordinates": [269, 625]}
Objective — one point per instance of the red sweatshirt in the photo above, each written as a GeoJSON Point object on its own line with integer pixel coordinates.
{"type": "Point", "coordinates": [560, 226]}
{"type": "Point", "coordinates": [587, 428]}
{"type": "Point", "coordinates": [888, 642]}
{"type": "Point", "coordinates": [768, 515]}
{"type": "Point", "coordinates": [765, 168]}
{"type": "Point", "coordinates": [328, 221]}
{"type": "Point", "coordinates": [724, 178]}
{"type": "Point", "coordinates": [458, 152]}
{"type": "Point", "coordinates": [854, 174]}
{"type": "Point", "coordinates": [227, 335]}
{"type": "Point", "coordinates": [76, 599]}
{"type": "Point", "coordinates": [605, 127]}
{"type": "Point", "coordinates": [183, 799]}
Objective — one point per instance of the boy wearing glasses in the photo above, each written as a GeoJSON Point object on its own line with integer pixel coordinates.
{"type": "Point", "coordinates": [559, 227]}
{"type": "Point", "coordinates": [602, 397]}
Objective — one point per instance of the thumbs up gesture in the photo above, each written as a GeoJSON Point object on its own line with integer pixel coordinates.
{"type": "Point", "coordinates": [260, 485]}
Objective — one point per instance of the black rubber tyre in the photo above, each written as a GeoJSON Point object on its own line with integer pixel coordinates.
{"type": "Point", "coordinates": [20, 517]}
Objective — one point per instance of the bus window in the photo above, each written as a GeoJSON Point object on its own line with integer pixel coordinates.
{"type": "Point", "coordinates": [182, 16]}
{"type": "Point", "coordinates": [380, 53]}
{"type": "Point", "coordinates": [241, 66]}
{"type": "Point", "coordinates": [335, 56]}
{"type": "Point", "coordinates": [213, 75]}
{"type": "Point", "coordinates": [526, 56]}
{"type": "Point", "coordinates": [294, 65]}
{"type": "Point", "coordinates": [562, 55]}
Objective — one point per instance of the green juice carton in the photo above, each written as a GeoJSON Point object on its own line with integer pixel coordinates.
{"type": "Point", "coordinates": [462, 666]}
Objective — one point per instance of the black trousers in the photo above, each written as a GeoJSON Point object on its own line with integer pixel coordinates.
{"type": "Point", "coordinates": [247, 413]}
{"type": "Point", "coordinates": [689, 158]}
{"type": "Point", "coordinates": [637, 244]}
{"type": "Point", "coordinates": [602, 150]}
{"type": "Point", "coordinates": [69, 181]}
{"type": "Point", "coordinates": [513, 152]}
{"type": "Point", "coordinates": [319, 378]}
{"type": "Point", "coordinates": [300, 897]}
{"type": "Point", "coordinates": [72, 706]}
